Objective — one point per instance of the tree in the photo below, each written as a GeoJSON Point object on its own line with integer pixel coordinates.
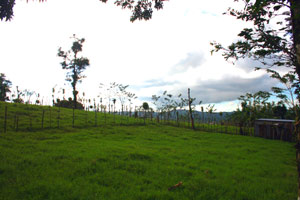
{"type": "Point", "coordinates": [131, 97]}
{"type": "Point", "coordinates": [19, 94]}
{"type": "Point", "coordinates": [288, 80]}
{"type": "Point", "coordinates": [6, 9]}
{"type": "Point", "coordinates": [122, 95]}
{"type": "Point", "coordinates": [190, 100]}
{"type": "Point", "coordinates": [280, 111]}
{"type": "Point", "coordinates": [141, 9]}
{"type": "Point", "coordinates": [253, 106]}
{"type": "Point", "coordinates": [274, 40]}
{"type": "Point", "coordinates": [165, 103]}
{"type": "Point", "coordinates": [116, 90]}
{"type": "Point", "coordinates": [74, 64]}
{"type": "Point", "coordinates": [210, 109]}
{"type": "Point", "coordinates": [4, 87]}
{"type": "Point", "coordinates": [145, 107]}
{"type": "Point", "coordinates": [114, 102]}
{"type": "Point", "coordinates": [68, 104]}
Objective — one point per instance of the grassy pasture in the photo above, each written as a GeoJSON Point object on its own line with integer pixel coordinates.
{"type": "Point", "coordinates": [25, 117]}
{"type": "Point", "coordinates": [142, 162]}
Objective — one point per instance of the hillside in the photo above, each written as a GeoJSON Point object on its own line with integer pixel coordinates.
{"type": "Point", "coordinates": [136, 161]}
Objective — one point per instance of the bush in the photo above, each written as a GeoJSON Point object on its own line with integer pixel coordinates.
{"type": "Point", "coordinates": [68, 104]}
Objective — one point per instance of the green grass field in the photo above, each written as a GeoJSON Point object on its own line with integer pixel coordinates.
{"type": "Point", "coordinates": [142, 162]}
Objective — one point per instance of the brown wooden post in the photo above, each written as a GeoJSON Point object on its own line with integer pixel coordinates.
{"type": "Point", "coordinates": [50, 116]}
{"type": "Point", "coordinates": [17, 123]}
{"type": "Point", "coordinates": [95, 117]}
{"type": "Point", "coordinates": [58, 117]}
{"type": "Point", "coordinates": [5, 120]}
{"type": "Point", "coordinates": [73, 121]}
{"type": "Point", "coordinates": [30, 122]}
{"type": "Point", "coordinates": [43, 115]}
{"type": "Point", "coordinates": [190, 109]}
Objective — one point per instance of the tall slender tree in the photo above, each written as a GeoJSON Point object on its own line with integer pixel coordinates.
{"type": "Point", "coordinates": [74, 64]}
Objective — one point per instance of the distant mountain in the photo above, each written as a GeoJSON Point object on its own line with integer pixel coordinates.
{"type": "Point", "coordinates": [197, 115]}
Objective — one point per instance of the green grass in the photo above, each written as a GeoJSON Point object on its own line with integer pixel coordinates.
{"type": "Point", "coordinates": [123, 159]}
{"type": "Point", "coordinates": [24, 117]}
{"type": "Point", "coordinates": [142, 162]}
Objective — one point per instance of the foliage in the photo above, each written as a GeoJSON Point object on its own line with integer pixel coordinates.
{"type": "Point", "coordinates": [145, 106]}
{"type": "Point", "coordinates": [116, 91]}
{"type": "Point", "coordinates": [141, 9]}
{"type": "Point", "coordinates": [280, 111]}
{"type": "Point", "coordinates": [166, 102]}
{"type": "Point", "coordinates": [264, 42]}
{"type": "Point", "coordinates": [122, 95]}
{"type": "Point", "coordinates": [288, 80]}
{"type": "Point", "coordinates": [257, 105]}
{"type": "Point", "coordinates": [19, 94]}
{"type": "Point", "coordinates": [74, 64]}
{"type": "Point", "coordinates": [274, 38]}
{"type": "Point", "coordinates": [210, 109]}
{"type": "Point", "coordinates": [5, 85]}
{"type": "Point", "coordinates": [6, 9]}
{"type": "Point", "coordinates": [68, 104]}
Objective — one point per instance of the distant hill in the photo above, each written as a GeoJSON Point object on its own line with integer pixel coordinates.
{"type": "Point", "coordinates": [205, 116]}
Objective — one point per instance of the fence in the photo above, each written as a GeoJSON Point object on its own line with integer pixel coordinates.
{"type": "Point", "coordinates": [25, 117]}
{"type": "Point", "coordinates": [22, 117]}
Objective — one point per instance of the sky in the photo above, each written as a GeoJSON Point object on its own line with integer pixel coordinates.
{"type": "Point", "coordinates": [169, 52]}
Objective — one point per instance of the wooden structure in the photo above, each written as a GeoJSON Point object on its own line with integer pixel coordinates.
{"type": "Point", "coordinates": [276, 129]}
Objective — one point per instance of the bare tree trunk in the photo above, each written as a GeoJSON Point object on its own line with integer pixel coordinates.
{"type": "Point", "coordinates": [190, 109]}
{"type": "Point", "coordinates": [75, 98]}
{"type": "Point", "coordinates": [295, 14]}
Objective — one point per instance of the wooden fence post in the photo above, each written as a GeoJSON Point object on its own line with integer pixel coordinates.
{"type": "Point", "coordinates": [43, 115]}
{"type": "Point", "coordinates": [58, 117]}
{"type": "Point", "coordinates": [50, 116]}
{"type": "Point", "coordinates": [17, 123]}
{"type": "Point", "coordinates": [105, 116]}
{"type": "Point", "coordinates": [95, 117]}
{"type": "Point", "coordinates": [5, 120]}
{"type": "Point", "coordinates": [86, 118]}
{"type": "Point", "coordinates": [73, 121]}
{"type": "Point", "coordinates": [30, 122]}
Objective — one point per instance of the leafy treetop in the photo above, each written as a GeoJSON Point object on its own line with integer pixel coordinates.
{"type": "Point", "coordinates": [141, 9]}
{"type": "Point", "coordinates": [6, 9]}
{"type": "Point", "coordinates": [270, 40]}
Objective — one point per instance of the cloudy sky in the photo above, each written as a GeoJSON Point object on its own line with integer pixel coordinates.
{"type": "Point", "coordinates": [170, 52]}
